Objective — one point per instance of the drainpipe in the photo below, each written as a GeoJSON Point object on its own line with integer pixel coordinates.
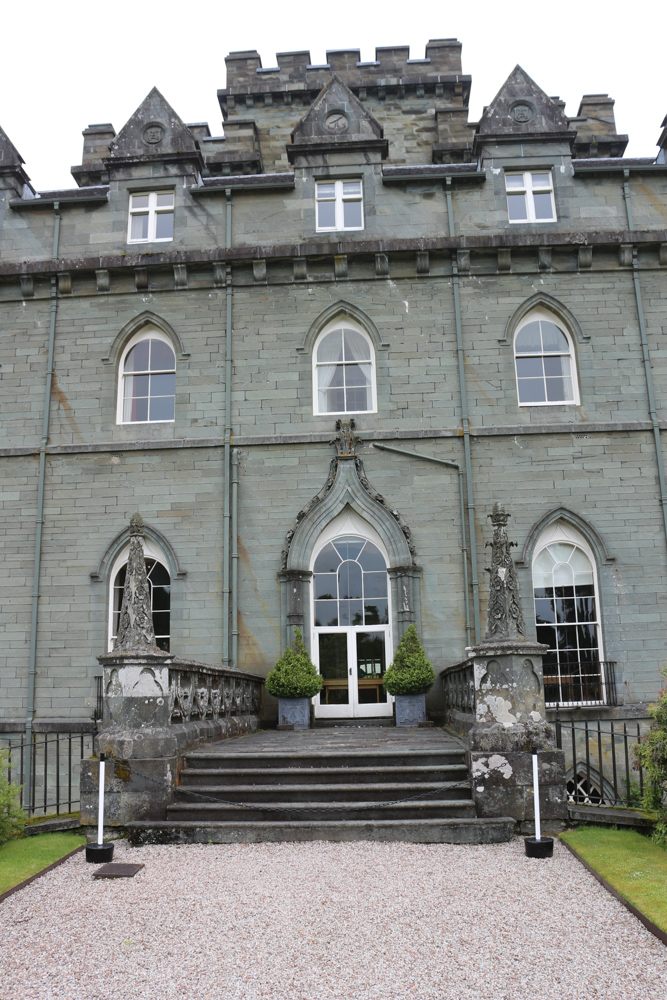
{"type": "Point", "coordinates": [464, 419]}
{"type": "Point", "coordinates": [464, 547]}
{"type": "Point", "coordinates": [39, 520]}
{"type": "Point", "coordinates": [646, 356]}
{"type": "Point", "coordinates": [235, 556]}
{"type": "Point", "coordinates": [226, 528]}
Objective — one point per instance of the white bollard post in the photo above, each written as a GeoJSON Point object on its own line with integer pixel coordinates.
{"type": "Point", "coordinates": [536, 799]}
{"type": "Point", "coordinates": [100, 804]}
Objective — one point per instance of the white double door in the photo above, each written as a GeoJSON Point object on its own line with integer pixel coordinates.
{"type": "Point", "coordinates": [352, 661]}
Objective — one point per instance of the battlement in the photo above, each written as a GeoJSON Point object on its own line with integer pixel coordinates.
{"type": "Point", "coordinates": [392, 65]}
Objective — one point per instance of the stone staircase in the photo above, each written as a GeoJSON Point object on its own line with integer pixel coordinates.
{"type": "Point", "coordinates": [330, 785]}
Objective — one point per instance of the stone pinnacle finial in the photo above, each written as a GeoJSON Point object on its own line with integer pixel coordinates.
{"type": "Point", "coordinates": [135, 626]}
{"type": "Point", "coordinates": [504, 617]}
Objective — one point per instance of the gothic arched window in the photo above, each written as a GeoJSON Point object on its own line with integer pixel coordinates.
{"type": "Point", "coordinates": [567, 617]}
{"type": "Point", "coordinates": [147, 379]}
{"type": "Point", "coordinates": [546, 373]}
{"type": "Point", "coordinates": [159, 584]}
{"type": "Point", "coordinates": [343, 370]}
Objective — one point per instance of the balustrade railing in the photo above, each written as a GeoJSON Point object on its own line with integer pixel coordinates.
{"type": "Point", "coordinates": [458, 683]}
{"type": "Point", "coordinates": [208, 693]}
{"type": "Point", "coordinates": [600, 761]}
{"type": "Point", "coordinates": [589, 683]}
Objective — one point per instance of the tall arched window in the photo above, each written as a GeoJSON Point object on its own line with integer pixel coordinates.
{"type": "Point", "coordinates": [546, 373]}
{"type": "Point", "coordinates": [567, 617]}
{"type": "Point", "coordinates": [344, 370]}
{"type": "Point", "coordinates": [351, 615]}
{"type": "Point", "coordinates": [159, 583]}
{"type": "Point", "coordinates": [147, 379]}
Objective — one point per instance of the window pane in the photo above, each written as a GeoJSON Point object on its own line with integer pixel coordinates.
{"type": "Point", "coordinates": [371, 558]}
{"type": "Point", "coordinates": [333, 402]}
{"type": "Point", "coordinates": [376, 612]}
{"type": "Point", "coordinates": [556, 366]}
{"type": "Point", "coordinates": [163, 385]}
{"type": "Point", "coordinates": [326, 215]}
{"type": "Point", "coordinates": [541, 180]}
{"type": "Point", "coordinates": [326, 613]}
{"type": "Point", "coordinates": [356, 347]}
{"type": "Point", "coordinates": [137, 358]}
{"type": "Point", "coordinates": [136, 385]}
{"type": "Point", "coordinates": [349, 548]}
{"type": "Point", "coordinates": [543, 206]}
{"type": "Point", "coordinates": [165, 200]}
{"type": "Point", "coordinates": [351, 188]}
{"type": "Point", "coordinates": [325, 586]}
{"type": "Point", "coordinates": [139, 201]}
{"type": "Point", "coordinates": [516, 207]}
{"type": "Point", "coordinates": [514, 181]}
{"type": "Point", "coordinates": [375, 584]}
{"type": "Point", "coordinates": [531, 390]}
{"type": "Point", "coordinates": [587, 636]}
{"type": "Point", "coordinates": [161, 622]}
{"type": "Point", "coordinates": [139, 230]}
{"type": "Point", "coordinates": [559, 390]}
{"type": "Point", "coordinates": [545, 613]}
{"type": "Point", "coordinates": [135, 409]}
{"type": "Point", "coordinates": [352, 215]}
{"type": "Point", "coordinates": [328, 560]}
{"type": "Point", "coordinates": [356, 613]}
{"type": "Point", "coordinates": [326, 191]}
{"type": "Point", "coordinates": [356, 400]}
{"type": "Point", "coordinates": [547, 635]}
{"type": "Point", "coordinates": [528, 340]}
{"type": "Point", "coordinates": [162, 408]}
{"type": "Point", "coordinates": [164, 226]}
{"type": "Point", "coordinates": [565, 608]}
{"type": "Point", "coordinates": [354, 376]}
{"type": "Point", "coordinates": [529, 367]}
{"type": "Point", "coordinates": [553, 339]}
{"type": "Point", "coordinates": [162, 356]}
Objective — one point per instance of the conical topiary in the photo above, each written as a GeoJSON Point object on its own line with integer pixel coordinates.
{"type": "Point", "coordinates": [410, 672]}
{"type": "Point", "coordinates": [294, 675]}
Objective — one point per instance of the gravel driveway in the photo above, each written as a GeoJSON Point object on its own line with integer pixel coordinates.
{"type": "Point", "coordinates": [359, 921]}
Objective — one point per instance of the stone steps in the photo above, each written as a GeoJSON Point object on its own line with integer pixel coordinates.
{"type": "Point", "coordinates": [354, 792]}
{"type": "Point", "coordinates": [310, 811]}
{"type": "Point", "coordinates": [196, 777]}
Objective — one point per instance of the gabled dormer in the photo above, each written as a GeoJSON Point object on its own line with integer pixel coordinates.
{"type": "Point", "coordinates": [13, 177]}
{"type": "Point", "coordinates": [522, 112]}
{"type": "Point", "coordinates": [154, 136]}
{"type": "Point", "coordinates": [336, 121]}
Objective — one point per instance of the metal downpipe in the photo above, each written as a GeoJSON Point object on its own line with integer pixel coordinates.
{"type": "Point", "coordinates": [235, 556]}
{"type": "Point", "coordinates": [39, 520]}
{"type": "Point", "coordinates": [646, 357]}
{"type": "Point", "coordinates": [464, 547]}
{"type": "Point", "coordinates": [464, 421]}
{"type": "Point", "coordinates": [226, 517]}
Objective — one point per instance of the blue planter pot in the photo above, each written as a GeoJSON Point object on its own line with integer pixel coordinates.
{"type": "Point", "coordinates": [410, 709]}
{"type": "Point", "coordinates": [294, 712]}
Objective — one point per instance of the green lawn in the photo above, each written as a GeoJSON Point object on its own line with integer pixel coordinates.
{"type": "Point", "coordinates": [25, 856]}
{"type": "Point", "coordinates": [631, 862]}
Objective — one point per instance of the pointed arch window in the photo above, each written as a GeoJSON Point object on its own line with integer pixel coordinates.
{"type": "Point", "coordinates": [567, 618]}
{"type": "Point", "coordinates": [344, 370]}
{"type": "Point", "coordinates": [147, 379]}
{"type": "Point", "coordinates": [159, 584]}
{"type": "Point", "coordinates": [546, 373]}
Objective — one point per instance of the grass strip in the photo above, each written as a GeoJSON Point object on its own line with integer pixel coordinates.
{"type": "Point", "coordinates": [25, 856]}
{"type": "Point", "coordinates": [630, 862]}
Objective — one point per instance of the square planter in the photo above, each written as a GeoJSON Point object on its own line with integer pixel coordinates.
{"type": "Point", "coordinates": [410, 709]}
{"type": "Point", "coordinates": [295, 712]}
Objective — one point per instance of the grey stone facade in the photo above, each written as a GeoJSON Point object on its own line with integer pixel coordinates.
{"type": "Point", "coordinates": [247, 268]}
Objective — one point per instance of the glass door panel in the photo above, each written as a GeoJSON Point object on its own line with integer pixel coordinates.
{"type": "Point", "coordinates": [334, 670]}
{"type": "Point", "coordinates": [371, 665]}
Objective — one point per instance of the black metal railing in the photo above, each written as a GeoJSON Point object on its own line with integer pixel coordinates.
{"type": "Point", "coordinates": [592, 683]}
{"type": "Point", "coordinates": [600, 760]}
{"type": "Point", "coordinates": [54, 769]}
{"type": "Point", "coordinates": [459, 688]}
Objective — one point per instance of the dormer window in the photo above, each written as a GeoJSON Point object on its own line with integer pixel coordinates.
{"type": "Point", "coordinates": [340, 205]}
{"type": "Point", "coordinates": [151, 217]}
{"type": "Point", "coordinates": [530, 197]}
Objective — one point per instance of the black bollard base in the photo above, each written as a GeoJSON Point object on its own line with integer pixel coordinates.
{"type": "Point", "coordinates": [542, 848]}
{"type": "Point", "coordinates": [99, 854]}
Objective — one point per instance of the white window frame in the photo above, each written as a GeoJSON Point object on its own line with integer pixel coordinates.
{"type": "Point", "coordinates": [150, 552]}
{"type": "Point", "coordinates": [152, 212]}
{"type": "Point", "coordinates": [547, 317]}
{"type": "Point", "coordinates": [343, 324]}
{"type": "Point", "coordinates": [146, 333]}
{"type": "Point", "coordinates": [339, 198]}
{"type": "Point", "coordinates": [529, 189]}
{"type": "Point", "coordinates": [560, 531]}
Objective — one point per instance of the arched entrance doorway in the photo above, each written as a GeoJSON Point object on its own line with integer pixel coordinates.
{"type": "Point", "coordinates": [351, 615]}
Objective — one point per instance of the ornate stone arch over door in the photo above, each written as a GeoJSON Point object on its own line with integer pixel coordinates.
{"type": "Point", "coordinates": [347, 487]}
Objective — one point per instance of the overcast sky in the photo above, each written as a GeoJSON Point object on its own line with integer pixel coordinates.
{"type": "Point", "coordinates": [65, 67]}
